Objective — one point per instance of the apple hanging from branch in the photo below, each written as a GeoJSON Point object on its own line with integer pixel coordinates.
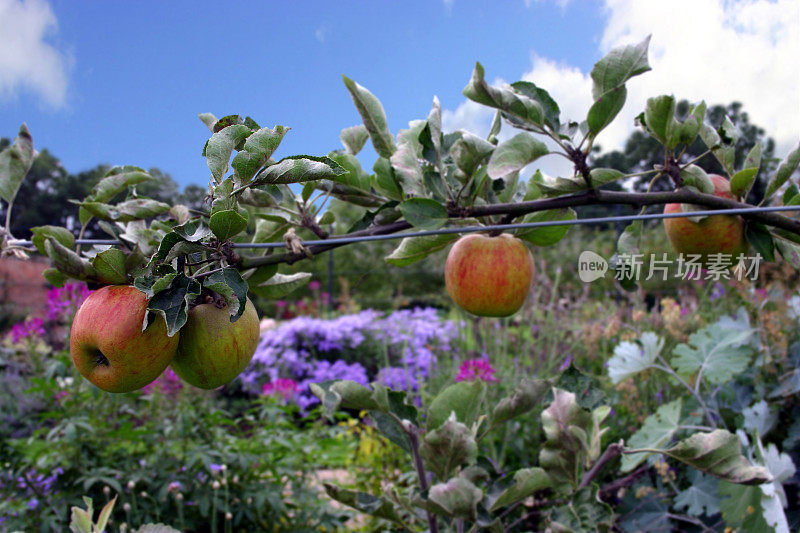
{"type": "Point", "coordinates": [489, 276]}
{"type": "Point", "coordinates": [108, 345]}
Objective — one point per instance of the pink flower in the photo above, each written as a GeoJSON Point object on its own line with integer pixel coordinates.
{"type": "Point", "coordinates": [168, 383]}
{"type": "Point", "coordinates": [64, 301]}
{"type": "Point", "coordinates": [474, 369]}
{"type": "Point", "coordinates": [314, 285]}
{"type": "Point", "coordinates": [283, 387]}
{"type": "Point", "coordinates": [31, 327]}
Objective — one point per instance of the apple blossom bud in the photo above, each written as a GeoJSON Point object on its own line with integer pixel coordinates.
{"type": "Point", "coordinates": [143, 494]}
{"type": "Point", "coordinates": [249, 501]}
{"type": "Point", "coordinates": [131, 484]}
{"type": "Point", "coordinates": [126, 507]}
{"type": "Point", "coordinates": [215, 485]}
{"type": "Point", "coordinates": [179, 497]}
{"type": "Point", "coordinates": [123, 527]}
{"type": "Point", "coordinates": [223, 468]}
{"type": "Point", "coordinates": [106, 490]}
{"type": "Point", "coordinates": [228, 516]}
{"type": "Point", "coordinates": [235, 479]}
{"type": "Point", "coordinates": [224, 482]}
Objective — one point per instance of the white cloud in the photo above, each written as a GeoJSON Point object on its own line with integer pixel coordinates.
{"type": "Point", "coordinates": [27, 61]}
{"type": "Point", "coordinates": [715, 50]}
{"type": "Point", "coordinates": [321, 33]}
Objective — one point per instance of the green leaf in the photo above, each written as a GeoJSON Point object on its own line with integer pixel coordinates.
{"type": "Point", "coordinates": [463, 398]}
{"type": "Point", "coordinates": [172, 303]}
{"type": "Point", "coordinates": [702, 496]}
{"type": "Point", "coordinates": [526, 482]}
{"type": "Point", "coordinates": [546, 235]}
{"type": "Point", "coordinates": [753, 159]}
{"type": "Point", "coordinates": [760, 239]}
{"type": "Point", "coordinates": [448, 447]}
{"type": "Point", "coordinates": [257, 150]}
{"type": "Point", "coordinates": [723, 151]}
{"type": "Point", "coordinates": [105, 514]}
{"type": "Point", "coordinates": [67, 261]}
{"type": "Point", "coordinates": [514, 154]}
{"type": "Point", "coordinates": [631, 358]}
{"type": "Point", "coordinates": [585, 512]}
{"type": "Point", "coordinates": [363, 502]}
{"type": "Point", "coordinates": [354, 175]}
{"type": "Point", "coordinates": [15, 162]}
{"type": "Point", "coordinates": [743, 180]}
{"type": "Point", "coordinates": [385, 181]}
{"type": "Point", "coordinates": [54, 277]}
{"type": "Point", "coordinates": [656, 432]}
{"type": "Point", "coordinates": [719, 453]}
{"type": "Point", "coordinates": [407, 170]}
{"type": "Point", "coordinates": [516, 104]}
{"type": "Point", "coordinates": [549, 106]}
{"type": "Point", "coordinates": [110, 266]}
{"type": "Point", "coordinates": [618, 66]}
{"type": "Point", "coordinates": [220, 146]}
{"type": "Point", "coordinates": [660, 118]}
{"type": "Point", "coordinates": [374, 117]}
{"type": "Point", "coordinates": [80, 521]}
{"type": "Point", "coordinates": [526, 397]}
{"type": "Point", "coordinates": [280, 285]}
{"type": "Point", "coordinates": [269, 231]}
{"type": "Point", "coordinates": [458, 498]}
{"type": "Point", "coordinates": [741, 507]}
{"type": "Point", "coordinates": [424, 213]}
{"type": "Point", "coordinates": [229, 284]}
{"type": "Point", "coordinates": [606, 108]}
{"type": "Point", "coordinates": [117, 180]}
{"type": "Point", "coordinates": [695, 176]}
{"type": "Point", "coordinates": [345, 393]}
{"type": "Point", "coordinates": [392, 430]}
{"type": "Point", "coordinates": [784, 171]}
{"type": "Point", "coordinates": [469, 152]}
{"type": "Point", "coordinates": [193, 230]}
{"type": "Point", "coordinates": [354, 138]}
{"type": "Point", "coordinates": [208, 119]}
{"type": "Point", "coordinates": [602, 176]}
{"type": "Point", "coordinates": [412, 249]}
{"type": "Point", "coordinates": [128, 211]}
{"type": "Point", "coordinates": [299, 169]}
{"type": "Point", "coordinates": [226, 224]}
{"type": "Point", "coordinates": [718, 352]}
{"type": "Point", "coordinates": [62, 235]}
{"type": "Point", "coordinates": [563, 453]}
{"type": "Point", "coordinates": [587, 389]}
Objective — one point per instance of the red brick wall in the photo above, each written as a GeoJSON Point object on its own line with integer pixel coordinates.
{"type": "Point", "coordinates": [22, 285]}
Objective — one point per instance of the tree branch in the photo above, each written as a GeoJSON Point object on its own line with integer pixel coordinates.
{"type": "Point", "coordinates": [514, 210]}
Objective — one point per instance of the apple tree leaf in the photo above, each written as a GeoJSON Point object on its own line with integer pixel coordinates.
{"type": "Point", "coordinates": [67, 261]}
{"type": "Point", "coordinates": [110, 267]}
{"type": "Point", "coordinates": [363, 502]}
{"type": "Point", "coordinates": [62, 235]}
{"type": "Point", "coordinates": [463, 398]}
{"type": "Point", "coordinates": [605, 108]}
{"type": "Point", "coordinates": [221, 145]}
{"type": "Point", "coordinates": [458, 498]}
{"type": "Point", "coordinates": [525, 398]}
{"type": "Point", "coordinates": [424, 213]}
{"type": "Point", "coordinates": [255, 153]}
{"type": "Point", "coordinates": [514, 154]}
{"type": "Point", "coordinates": [618, 66]}
{"type": "Point", "coordinates": [229, 284]}
{"type": "Point", "coordinates": [412, 249]}
{"type": "Point", "coordinates": [448, 447]}
{"type": "Point", "coordinates": [299, 169]}
{"type": "Point", "coordinates": [784, 171]}
{"type": "Point", "coordinates": [15, 162]}
{"type": "Point", "coordinates": [562, 453]}
{"type": "Point", "coordinates": [549, 106]}
{"type": "Point", "coordinates": [469, 151]}
{"type": "Point", "coordinates": [226, 224]}
{"type": "Point", "coordinates": [354, 138]}
{"type": "Point", "coordinates": [743, 180]}
{"type": "Point", "coordinates": [373, 116]}
{"type": "Point", "coordinates": [508, 100]}
{"type": "Point", "coordinates": [172, 303]}
{"type": "Point", "coordinates": [526, 482]}
{"type": "Point", "coordinates": [117, 180]}
{"type": "Point", "coordinates": [280, 285]}
{"type": "Point", "coordinates": [546, 235]}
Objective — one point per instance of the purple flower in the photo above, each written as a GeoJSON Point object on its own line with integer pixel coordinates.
{"type": "Point", "coordinates": [566, 363]}
{"type": "Point", "coordinates": [167, 383]}
{"type": "Point", "coordinates": [215, 467]}
{"type": "Point", "coordinates": [717, 291]}
{"type": "Point", "coordinates": [314, 285]}
{"type": "Point", "coordinates": [474, 369]}
{"type": "Point", "coordinates": [62, 302]}
{"type": "Point", "coordinates": [30, 327]}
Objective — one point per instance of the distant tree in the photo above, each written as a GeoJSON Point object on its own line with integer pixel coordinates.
{"type": "Point", "coordinates": [641, 151]}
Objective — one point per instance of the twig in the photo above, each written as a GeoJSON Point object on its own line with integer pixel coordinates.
{"type": "Point", "coordinates": [613, 451]}
{"type": "Point", "coordinates": [413, 437]}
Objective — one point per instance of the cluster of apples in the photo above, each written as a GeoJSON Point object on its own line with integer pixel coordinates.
{"type": "Point", "coordinates": [491, 276]}
{"type": "Point", "coordinates": [110, 349]}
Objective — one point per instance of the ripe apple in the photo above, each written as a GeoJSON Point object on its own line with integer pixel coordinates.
{"type": "Point", "coordinates": [108, 345]}
{"type": "Point", "coordinates": [722, 234]}
{"type": "Point", "coordinates": [489, 276]}
{"type": "Point", "coordinates": [212, 349]}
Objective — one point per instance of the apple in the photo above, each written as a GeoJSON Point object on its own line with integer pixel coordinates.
{"type": "Point", "coordinates": [108, 345]}
{"type": "Point", "coordinates": [212, 349]}
{"type": "Point", "coordinates": [489, 276]}
{"type": "Point", "coordinates": [722, 234]}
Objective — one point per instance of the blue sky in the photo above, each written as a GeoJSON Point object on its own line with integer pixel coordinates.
{"type": "Point", "coordinates": [123, 82]}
